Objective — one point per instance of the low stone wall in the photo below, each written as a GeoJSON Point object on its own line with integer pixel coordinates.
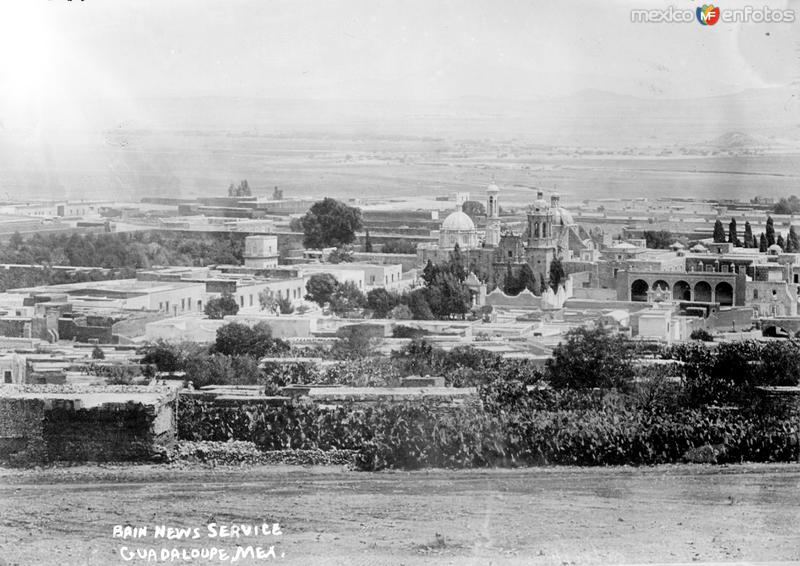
{"type": "Point", "coordinates": [46, 429]}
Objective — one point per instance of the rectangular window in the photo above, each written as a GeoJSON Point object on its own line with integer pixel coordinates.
{"type": "Point", "coordinates": [241, 300]}
{"type": "Point", "coordinates": [161, 306]}
{"type": "Point", "coordinates": [7, 376]}
{"type": "Point", "coordinates": [251, 300]}
{"type": "Point", "coordinates": [796, 278]}
{"type": "Point", "coordinates": [183, 304]}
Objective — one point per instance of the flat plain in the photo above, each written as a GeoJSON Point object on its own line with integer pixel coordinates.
{"type": "Point", "coordinates": [329, 515]}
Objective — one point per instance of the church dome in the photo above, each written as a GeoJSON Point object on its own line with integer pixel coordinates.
{"type": "Point", "coordinates": [458, 221]}
{"type": "Point", "coordinates": [492, 188]}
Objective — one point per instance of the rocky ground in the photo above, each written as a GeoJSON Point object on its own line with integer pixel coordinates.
{"type": "Point", "coordinates": [331, 515]}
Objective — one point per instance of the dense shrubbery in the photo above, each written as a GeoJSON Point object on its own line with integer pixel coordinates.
{"type": "Point", "coordinates": [123, 250]}
{"type": "Point", "coordinates": [414, 435]}
{"type": "Point", "coordinates": [463, 366]}
{"type": "Point", "coordinates": [233, 359]}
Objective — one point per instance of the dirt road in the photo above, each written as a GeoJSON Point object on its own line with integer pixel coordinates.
{"type": "Point", "coordinates": [332, 516]}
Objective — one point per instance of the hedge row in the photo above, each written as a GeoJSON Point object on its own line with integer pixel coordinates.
{"type": "Point", "coordinates": [415, 435]}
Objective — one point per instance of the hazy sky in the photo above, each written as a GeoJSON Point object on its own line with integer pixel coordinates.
{"type": "Point", "coordinates": [55, 55]}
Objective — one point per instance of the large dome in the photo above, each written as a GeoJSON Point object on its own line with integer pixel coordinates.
{"type": "Point", "coordinates": [458, 221]}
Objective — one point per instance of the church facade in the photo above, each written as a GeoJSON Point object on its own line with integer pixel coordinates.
{"type": "Point", "coordinates": [550, 232]}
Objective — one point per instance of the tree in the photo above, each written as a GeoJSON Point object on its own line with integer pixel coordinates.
{"type": "Point", "coordinates": [235, 339]}
{"type": "Point", "coordinates": [762, 243]}
{"type": "Point", "coordinates": [474, 209]}
{"type": "Point", "coordinates": [792, 241]}
{"type": "Point", "coordinates": [220, 307]}
{"type": "Point", "coordinates": [354, 342]}
{"type": "Point", "coordinates": [320, 288]}
{"type": "Point", "coordinates": [719, 231]}
{"type": "Point", "coordinates": [590, 358]}
{"type": "Point", "coordinates": [557, 274]}
{"type": "Point", "coordinates": [347, 297]}
{"type": "Point", "coordinates": [511, 284]}
{"type": "Point", "coordinates": [733, 237]}
{"type": "Point", "coordinates": [770, 232]}
{"type": "Point", "coordinates": [242, 190]}
{"type": "Point", "coordinates": [342, 254]}
{"type": "Point", "coordinates": [749, 240]}
{"type": "Point", "coordinates": [285, 305]}
{"type": "Point", "coordinates": [367, 243]}
{"type": "Point", "coordinates": [419, 306]}
{"type": "Point", "coordinates": [330, 223]}
{"type": "Point", "coordinates": [402, 312]}
{"type": "Point", "coordinates": [98, 354]}
{"type": "Point", "coordinates": [787, 206]}
{"type": "Point", "coordinates": [527, 278]}
{"type": "Point", "coordinates": [268, 302]}
{"type": "Point", "coordinates": [381, 302]}
{"type": "Point", "coordinates": [780, 241]}
{"type": "Point", "coordinates": [448, 296]}
{"type": "Point", "coordinates": [399, 247]}
{"type": "Point", "coordinates": [658, 239]}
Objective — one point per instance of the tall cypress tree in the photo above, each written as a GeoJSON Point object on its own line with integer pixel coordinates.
{"type": "Point", "coordinates": [719, 231]}
{"type": "Point", "coordinates": [770, 232]}
{"type": "Point", "coordinates": [780, 241]}
{"type": "Point", "coordinates": [762, 243]}
{"type": "Point", "coordinates": [749, 241]}
{"type": "Point", "coordinates": [733, 237]}
{"type": "Point", "coordinates": [792, 241]}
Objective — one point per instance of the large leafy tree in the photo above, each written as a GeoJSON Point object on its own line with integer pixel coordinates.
{"type": "Point", "coordinates": [590, 358]}
{"type": "Point", "coordinates": [330, 223]}
{"type": "Point", "coordinates": [381, 302]}
{"type": "Point", "coordinates": [219, 307]}
{"type": "Point", "coordinates": [320, 288]}
{"type": "Point", "coordinates": [347, 297]}
{"type": "Point", "coordinates": [237, 339]}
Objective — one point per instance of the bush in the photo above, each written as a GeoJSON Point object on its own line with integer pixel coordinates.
{"type": "Point", "coordinates": [591, 358]}
{"type": "Point", "coordinates": [701, 334]}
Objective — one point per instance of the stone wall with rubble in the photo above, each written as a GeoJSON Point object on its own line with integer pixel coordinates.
{"type": "Point", "coordinates": [34, 430]}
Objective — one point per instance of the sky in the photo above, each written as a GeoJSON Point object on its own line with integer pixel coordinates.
{"type": "Point", "coordinates": [58, 55]}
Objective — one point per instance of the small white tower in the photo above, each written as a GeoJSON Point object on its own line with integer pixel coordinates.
{"type": "Point", "coordinates": [261, 252]}
{"type": "Point", "coordinates": [492, 239]}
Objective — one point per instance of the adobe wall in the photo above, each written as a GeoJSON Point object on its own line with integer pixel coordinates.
{"type": "Point", "coordinates": [50, 430]}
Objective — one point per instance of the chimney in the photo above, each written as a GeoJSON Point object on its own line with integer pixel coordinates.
{"type": "Point", "coordinates": [539, 195]}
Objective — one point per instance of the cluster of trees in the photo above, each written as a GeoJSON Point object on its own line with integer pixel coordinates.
{"type": "Point", "coordinates": [789, 205]}
{"type": "Point", "coordinates": [444, 294]}
{"type": "Point", "coordinates": [525, 278]}
{"type": "Point", "coordinates": [767, 238]}
{"type": "Point", "coordinates": [343, 298]}
{"type": "Point", "coordinates": [706, 374]}
{"type": "Point", "coordinates": [241, 190]}
{"type": "Point", "coordinates": [233, 358]}
{"type": "Point", "coordinates": [658, 239]}
{"type": "Point", "coordinates": [123, 251]}
{"type": "Point", "coordinates": [399, 246]}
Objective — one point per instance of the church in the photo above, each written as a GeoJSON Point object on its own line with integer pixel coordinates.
{"type": "Point", "coordinates": [550, 232]}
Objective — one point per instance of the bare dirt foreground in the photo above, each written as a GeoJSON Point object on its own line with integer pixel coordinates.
{"type": "Point", "coordinates": [671, 514]}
